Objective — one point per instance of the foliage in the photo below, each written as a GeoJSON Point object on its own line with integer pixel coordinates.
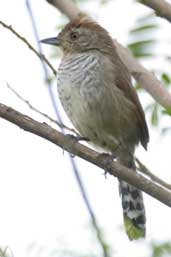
{"type": "Point", "coordinates": [160, 249]}
{"type": "Point", "coordinates": [142, 36]}
{"type": "Point", "coordinates": [156, 111]}
{"type": "Point", "coordinates": [142, 43]}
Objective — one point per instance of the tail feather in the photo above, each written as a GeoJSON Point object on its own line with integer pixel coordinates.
{"type": "Point", "coordinates": [133, 211]}
{"type": "Point", "coordinates": [133, 206]}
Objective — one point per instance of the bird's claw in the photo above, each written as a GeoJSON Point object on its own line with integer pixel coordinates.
{"type": "Point", "coordinates": [107, 160]}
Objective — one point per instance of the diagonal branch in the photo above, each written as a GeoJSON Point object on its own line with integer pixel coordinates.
{"type": "Point", "coordinates": [45, 131]}
{"type": "Point", "coordinates": [141, 167]}
{"type": "Point", "coordinates": [145, 78]}
{"type": "Point", "coordinates": [161, 7]}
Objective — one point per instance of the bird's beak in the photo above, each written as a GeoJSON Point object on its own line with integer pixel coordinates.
{"type": "Point", "coordinates": [51, 41]}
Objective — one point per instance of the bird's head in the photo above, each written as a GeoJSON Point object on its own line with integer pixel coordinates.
{"type": "Point", "coordinates": [81, 35]}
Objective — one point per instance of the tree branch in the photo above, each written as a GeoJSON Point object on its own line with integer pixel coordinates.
{"type": "Point", "coordinates": [66, 7]}
{"type": "Point", "coordinates": [141, 167]}
{"type": "Point", "coordinates": [161, 7]}
{"type": "Point", "coordinates": [45, 131]}
{"type": "Point", "coordinates": [145, 78]}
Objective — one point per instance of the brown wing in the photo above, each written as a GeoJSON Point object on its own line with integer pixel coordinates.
{"type": "Point", "coordinates": [123, 82]}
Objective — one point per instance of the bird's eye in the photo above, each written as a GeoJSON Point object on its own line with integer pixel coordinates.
{"type": "Point", "coordinates": [74, 35]}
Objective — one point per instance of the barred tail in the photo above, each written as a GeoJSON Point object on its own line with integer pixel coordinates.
{"type": "Point", "coordinates": [133, 209]}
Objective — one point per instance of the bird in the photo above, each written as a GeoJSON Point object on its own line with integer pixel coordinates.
{"type": "Point", "coordinates": [95, 89]}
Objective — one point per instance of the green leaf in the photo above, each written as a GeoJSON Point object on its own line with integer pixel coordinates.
{"type": "Point", "coordinates": [167, 111]}
{"type": "Point", "coordinates": [141, 48]}
{"type": "Point", "coordinates": [142, 43]}
{"type": "Point", "coordinates": [160, 250]}
{"type": "Point", "coordinates": [166, 79]}
{"type": "Point", "coordinates": [154, 115]}
{"type": "Point", "coordinates": [143, 28]}
{"type": "Point", "coordinates": [142, 36]}
{"type": "Point", "coordinates": [137, 86]}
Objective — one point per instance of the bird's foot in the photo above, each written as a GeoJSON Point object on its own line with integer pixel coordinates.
{"type": "Point", "coordinates": [107, 160]}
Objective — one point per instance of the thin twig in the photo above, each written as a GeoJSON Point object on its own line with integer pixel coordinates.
{"type": "Point", "coordinates": [41, 56]}
{"type": "Point", "coordinates": [61, 125]}
{"type": "Point", "coordinates": [142, 168]}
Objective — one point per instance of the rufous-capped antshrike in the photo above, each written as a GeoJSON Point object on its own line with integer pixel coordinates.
{"type": "Point", "coordinates": [96, 92]}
